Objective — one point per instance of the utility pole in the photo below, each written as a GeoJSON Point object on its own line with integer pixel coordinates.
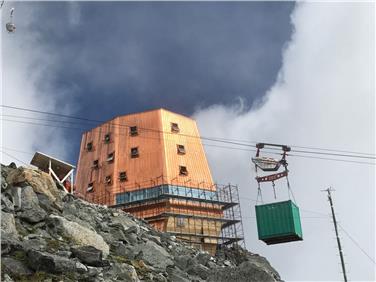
{"type": "Point", "coordinates": [336, 230]}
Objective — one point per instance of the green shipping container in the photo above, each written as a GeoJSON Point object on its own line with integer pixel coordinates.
{"type": "Point", "coordinates": [278, 222]}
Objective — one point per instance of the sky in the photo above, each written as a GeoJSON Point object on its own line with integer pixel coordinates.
{"type": "Point", "coordinates": [299, 74]}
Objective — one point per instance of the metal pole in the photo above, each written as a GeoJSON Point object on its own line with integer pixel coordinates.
{"type": "Point", "coordinates": [337, 237]}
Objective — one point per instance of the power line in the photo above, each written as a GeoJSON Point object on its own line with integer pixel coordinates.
{"type": "Point", "coordinates": [216, 139]}
{"type": "Point", "coordinates": [357, 244]}
{"type": "Point", "coordinates": [126, 125]}
{"type": "Point", "coordinates": [9, 155]}
{"type": "Point", "coordinates": [330, 159]}
{"type": "Point", "coordinates": [210, 145]}
{"type": "Point", "coordinates": [19, 151]}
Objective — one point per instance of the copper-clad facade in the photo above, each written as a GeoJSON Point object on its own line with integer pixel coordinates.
{"type": "Point", "coordinates": [153, 165]}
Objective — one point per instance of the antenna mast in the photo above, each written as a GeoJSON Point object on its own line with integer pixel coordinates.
{"type": "Point", "coordinates": [336, 230]}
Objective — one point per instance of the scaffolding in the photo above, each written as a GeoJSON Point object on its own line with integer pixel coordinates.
{"type": "Point", "coordinates": [195, 212]}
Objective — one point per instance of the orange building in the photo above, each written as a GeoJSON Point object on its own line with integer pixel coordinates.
{"type": "Point", "coordinates": [153, 165]}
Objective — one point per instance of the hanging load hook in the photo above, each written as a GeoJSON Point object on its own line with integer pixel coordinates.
{"type": "Point", "coordinates": [11, 27]}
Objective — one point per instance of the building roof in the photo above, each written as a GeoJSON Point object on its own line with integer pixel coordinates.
{"type": "Point", "coordinates": [41, 161]}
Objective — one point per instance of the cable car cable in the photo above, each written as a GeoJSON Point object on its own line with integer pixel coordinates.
{"type": "Point", "coordinates": [210, 145]}
{"type": "Point", "coordinates": [218, 139]}
{"type": "Point", "coordinates": [356, 244]}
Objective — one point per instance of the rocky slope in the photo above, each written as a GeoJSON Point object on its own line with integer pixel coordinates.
{"type": "Point", "coordinates": [48, 235]}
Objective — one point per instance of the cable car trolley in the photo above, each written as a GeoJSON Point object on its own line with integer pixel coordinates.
{"type": "Point", "coordinates": [277, 222]}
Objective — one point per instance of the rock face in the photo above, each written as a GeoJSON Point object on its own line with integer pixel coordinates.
{"type": "Point", "coordinates": [48, 235]}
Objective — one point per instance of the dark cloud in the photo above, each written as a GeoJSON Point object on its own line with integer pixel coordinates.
{"type": "Point", "coordinates": [128, 56]}
{"type": "Point", "coordinates": [112, 58]}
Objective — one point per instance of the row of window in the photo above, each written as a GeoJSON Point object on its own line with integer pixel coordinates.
{"type": "Point", "coordinates": [123, 177]}
{"type": "Point", "coordinates": [133, 131]}
{"type": "Point", "coordinates": [134, 154]}
{"type": "Point", "coordinates": [108, 180]}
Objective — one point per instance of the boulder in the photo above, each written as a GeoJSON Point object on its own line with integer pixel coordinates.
{"type": "Point", "coordinates": [8, 224]}
{"type": "Point", "coordinates": [119, 249]}
{"type": "Point", "coordinates": [154, 255]}
{"type": "Point", "coordinates": [30, 209]}
{"type": "Point", "coordinates": [40, 181]}
{"type": "Point", "coordinates": [203, 258]}
{"type": "Point", "coordinates": [7, 278]}
{"type": "Point", "coordinates": [14, 267]}
{"type": "Point", "coordinates": [15, 193]}
{"type": "Point", "coordinates": [123, 272]}
{"type": "Point", "coordinates": [4, 184]}
{"type": "Point", "coordinates": [199, 270]}
{"type": "Point", "coordinates": [6, 204]}
{"type": "Point", "coordinates": [245, 272]}
{"type": "Point", "coordinates": [88, 255]}
{"type": "Point", "coordinates": [175, 274]}
{"type": "Point", "coordinates": [127, 223]}
{"type": "Point", "coordinates": [43, 261]}
{"type": "Point", "coordinates": [9, 243]}
{"type": "Point", "coordinates": [77, 233]}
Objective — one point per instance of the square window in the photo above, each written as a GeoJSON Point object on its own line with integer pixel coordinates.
{"type": "Point", "coordinates": [181, 149]}
{"type": "Point", "coordinates": [90, 187]}
{"type": "Point", "coordinates": [110, 157]}
{"type": "Point", "coordinates": [108, 180]}
{"type": "Point", "coordinates": [123, 176]}
{"type": "Point", "coordinates": [95, 164]}
{"type": "Point", "coordinates": [89, 146]}
{"type": "Point", "coordinates": [134, 152]}
{"type": "Point", "coordinates": [183, 170]}
{"type": "Point", "coordinates": [107, 138]}
{"type": "Point", "coordinates": [133, 131]}
{"type": "Point", "coordinates": [174, 127]}
{"type": "Point", "coordinates": [180, 221]}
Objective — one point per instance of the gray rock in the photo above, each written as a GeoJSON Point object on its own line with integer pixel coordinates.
{"type": "Point", "coordinates": [132, 238]}
{"type": "Point", "coordinates": [154, 255]}
{"type": "Point", "coordinates": [246, 272]}
{"type": "Point", "coordinates": [37, 243]}
{"type": "Point", "coordinates": [14, 267]}
{"type": "Point", "coordinates": [77, 233]}
{"type": "Point", "coordinates": [227, 263]}
{"type": "Point", "coordinates": [42, 261]}
{"type": "Point", "coordinates": [31, 211]}
{"type": "Point", "coordinates": [203, 258]}
{"type": "Point", "coordinates": [8, 224]}
{"type": "Point", "coordinates": [15, 192]}
{"type": "Point", "coordinates": [124, 272]}
{"type": "Point", "coordinates": [199, 270]}
{"type": "Point", "coordinates": [175, 274]}
{"type": "Point", "coordinates": [46, 204]}
{"type": "Point", "coordinates": [4, 184]}
{"type": "Point", "coordinates": [117, 232]}
{"type": "Point", "coordinates": [88, 255]}
{"type": "Point", "coordinates": [7, 278]}
{"type": "Point", "coordinates": [66, 254]}
{"type": "Point", "coordinates": [9, 244]}
{"type": "Point", "coordinates": [183, 261]}
{"type": "Point", "coordinates": [127, 222]}
{"type": "Point", "coordinates": [119, 249]}
{"type": "Point", "coordinates": [160, 278]}
{"type": "Point", "coordinates": [6, 204]}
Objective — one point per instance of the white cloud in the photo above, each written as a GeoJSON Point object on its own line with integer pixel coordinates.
{"type": "Point", "coordinates": [27, 74]}
{"type": "Point", "coordinates": [324, 97]}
